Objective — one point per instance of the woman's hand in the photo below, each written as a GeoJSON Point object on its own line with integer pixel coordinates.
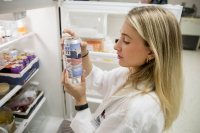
{"type": "Point", "coordinates": [66, 33]}
{"type": "Point", "coordinates": [78, 91]}
{"type": "Point", "coordinates": [70, 33]}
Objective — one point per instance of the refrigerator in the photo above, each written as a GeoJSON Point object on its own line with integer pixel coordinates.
{"type": "Point", "coordinates": [96, 22]}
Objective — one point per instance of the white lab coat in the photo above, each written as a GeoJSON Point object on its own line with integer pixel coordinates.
{"type": "Point", "coordinates": [127, 111]}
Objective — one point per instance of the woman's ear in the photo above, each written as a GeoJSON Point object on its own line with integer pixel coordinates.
{"type": "Point", "coordinates": [151, 54]}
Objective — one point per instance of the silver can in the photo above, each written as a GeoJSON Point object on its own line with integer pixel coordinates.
{"type": "Point", "coordinates": [72, 57]}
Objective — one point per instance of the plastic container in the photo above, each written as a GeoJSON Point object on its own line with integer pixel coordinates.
{"type": "Point", "coordinates": [4, 88]}
{"type": "Point", "coordinates": [72, 58]}
{"type": "Point", "coordinates": [7, 123]}
{"type": "Point", "coordinates": [21, 26]}
{"type": "Point", "coordinates": [95, 44]}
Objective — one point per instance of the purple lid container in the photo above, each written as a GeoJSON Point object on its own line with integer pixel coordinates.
{"type": "Point", "coordinates": [16, 68]}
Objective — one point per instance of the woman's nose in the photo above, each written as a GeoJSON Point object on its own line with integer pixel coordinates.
{"type": "Point", "coordinates": [116, 47]}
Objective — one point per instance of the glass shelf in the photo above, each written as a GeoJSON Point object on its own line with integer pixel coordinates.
{"type": "Point", "coordinates": [13, 91]}
{"type": "Point", "coordinates": [14, 40]}
{"type": "Point", "coordinates": [22, 123]}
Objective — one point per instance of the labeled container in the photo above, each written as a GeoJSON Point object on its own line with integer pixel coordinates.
{"type": "Point", "coordinates": [94, 44]}
{"type": "Point", "coordinates": [4, 88]}
{"type": "Point", "coordinates": [21, 26]}
{"type": "Point", "coordinates": [72, 58]}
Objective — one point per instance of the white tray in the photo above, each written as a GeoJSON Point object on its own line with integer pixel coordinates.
{"type": "Point", "coordinates": [30, 106]}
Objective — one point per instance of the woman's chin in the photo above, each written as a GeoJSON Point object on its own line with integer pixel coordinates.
{"type": "Point", "coordinates": [121, 63]}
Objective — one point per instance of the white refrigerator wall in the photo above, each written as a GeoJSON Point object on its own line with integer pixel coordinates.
{"type": "Point", "coordinates": [46, 44]}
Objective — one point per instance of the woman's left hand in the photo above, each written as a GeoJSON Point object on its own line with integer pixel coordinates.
{"type": "Point", "coordinates": [78, 91]}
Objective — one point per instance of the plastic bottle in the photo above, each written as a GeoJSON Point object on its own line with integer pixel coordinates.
{"type": "Point", "coordinates": [21, 26]}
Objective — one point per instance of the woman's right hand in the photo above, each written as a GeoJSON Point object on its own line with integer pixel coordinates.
{"type": "Point", "coordinates": [70, 33]}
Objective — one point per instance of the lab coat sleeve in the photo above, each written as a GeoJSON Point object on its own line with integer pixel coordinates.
{"type": "Point", "coordinates": [82, 122]}
{"type": "Point", "coordinates": [101, 81]}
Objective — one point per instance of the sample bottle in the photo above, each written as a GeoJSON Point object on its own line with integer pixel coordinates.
{"type": "Point", "coordinates": [21, 26]}
{"type": "Point", "coordinates": [72, 58]}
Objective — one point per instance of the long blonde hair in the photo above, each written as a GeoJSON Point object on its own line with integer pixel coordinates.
{"type": "Point", "coordinates": [160, 30]}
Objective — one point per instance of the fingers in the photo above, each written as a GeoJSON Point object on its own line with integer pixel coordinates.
{"type": "Point", "coordinates": [83, 46]}
{"type": "Point", "coordinates": [66, 33]}
{"type": "Point", "coordinates": [83, 76]}
{"type": "Point", "coordinates": [65, 81]}
{"type": "Point", "coordinates": [71, 33]}
{"type": "Point", "coordinates": [62, 41]}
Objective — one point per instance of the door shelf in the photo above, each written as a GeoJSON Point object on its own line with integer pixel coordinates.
{"type": "Point", "coordinates": [104, 57]}
{"type": "Point", "coordinates": [12, 41]}
{"type": "Point", "coordinates": [23, 123]}
{"type": "Point", "coordinates": [94, 97]}
{"type": "Point", "coordinates": [94, 100]}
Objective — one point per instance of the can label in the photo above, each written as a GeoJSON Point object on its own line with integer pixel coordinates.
{"type": "Point", "coordinates": [72, 57]}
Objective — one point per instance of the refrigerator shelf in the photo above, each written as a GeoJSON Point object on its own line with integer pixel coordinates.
{"type": "Point", "coordinates": [93, 97]}
{"type": "Point", "coordinates": [30, 108]}
{"type": "Point", "coordinates": [10, 43]}
{"type": "Point", "coordinates": [23, 123]}
{"type": "Point", "coordinates": [14, 91]}
{"type": "Point", "coordinates": [23, 77]}
{"type": "Point", "coordinates": [13, 75]}
{"type": "Point", "coordinates": [10, 94]}
{"type": "Point", "coordinates": [104, 57]}
{"type": "Point", "coordinates": [94, 100]}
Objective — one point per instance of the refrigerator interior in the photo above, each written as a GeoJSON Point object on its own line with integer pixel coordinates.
{"type": "Point", "coordinates": [43, 38]}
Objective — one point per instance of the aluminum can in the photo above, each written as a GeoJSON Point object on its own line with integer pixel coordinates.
{"type": "Point", "coordinates": [72, 57]}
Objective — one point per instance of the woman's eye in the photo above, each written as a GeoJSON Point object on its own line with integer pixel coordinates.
{"type": "Point", "coordinates": [126, 42]}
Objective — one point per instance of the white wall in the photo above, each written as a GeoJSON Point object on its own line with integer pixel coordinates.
{"type": "Point", "coordinates": [188, 120]}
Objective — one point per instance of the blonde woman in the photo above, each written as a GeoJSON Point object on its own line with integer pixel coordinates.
{"type": "Point", "coordinates": [144, 94]}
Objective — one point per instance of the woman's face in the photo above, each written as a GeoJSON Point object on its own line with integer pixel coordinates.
{"type": "Point", "coordinates": [131, 48]}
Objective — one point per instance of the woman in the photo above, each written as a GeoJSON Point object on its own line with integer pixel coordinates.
{"type": "Point", "coordinates": [144, 94]}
